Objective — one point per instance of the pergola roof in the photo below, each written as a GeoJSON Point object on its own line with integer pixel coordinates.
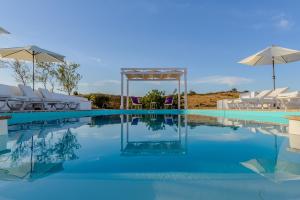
{"type": "Point", "coordinates": [153, 74]}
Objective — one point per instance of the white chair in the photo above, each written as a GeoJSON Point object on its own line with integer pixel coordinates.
{"type": "Point", "coordinates": [271, 100]}
{"type": "Point", "coordinates": [236, 103]}
{"type": "Point", "coordinates": [70, 102]}
{"type": "Point", "coordinates": [265, 99]}
{"type": "Point", "coordinates": [11, 98]}
{"type": "Point", "coordinates": [289, 100]}
{"type": "Point", "coordinates": [62, 104]}
{"type": "Point", "coordinates": [36, 101]}
{"type": "Point", "coordinates": [250, 101]}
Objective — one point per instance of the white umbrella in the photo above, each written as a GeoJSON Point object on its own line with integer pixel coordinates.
{"type": "Point", "coordinates": [31, 53]}
{"type": "Point", "coordinates": [3, 31]}
{"type": "Point", "coordinates": [271, 56]}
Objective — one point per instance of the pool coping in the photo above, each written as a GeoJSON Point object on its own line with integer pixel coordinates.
{"type": "Point", "coordinates": [265, 116]}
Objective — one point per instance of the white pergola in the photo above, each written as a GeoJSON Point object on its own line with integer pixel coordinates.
{"type": "Point", "coordinates": [153, 74]}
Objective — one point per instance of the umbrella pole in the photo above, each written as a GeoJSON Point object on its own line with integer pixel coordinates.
{"type": "Point", "coordinates": [33, 71]}
{"type": "Point", "coordinates": [274, 86]}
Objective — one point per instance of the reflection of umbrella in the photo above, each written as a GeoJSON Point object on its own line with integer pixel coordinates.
{"type": "Point", "coordinates": [285, 167]}
{"type": "Point", "coordinates": [25, 171]}
{"type": "Point", "coordinates": [31, 53]}
{"type": "Point", "coordinates": [281, 171]}
{"type": "Point", "coordinates": [29, 168]}
{"type": "Point", "coordinates": [3, 31]}
{"type": "Point", "coordinates": [271, 56]}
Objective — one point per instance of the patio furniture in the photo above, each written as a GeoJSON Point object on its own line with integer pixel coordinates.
{"type": "Point", "coordinates": [249, 102]}
{"type": "Point", "coordinates": [272, 55]}
{"type": "Point", "coordinates": [11, 98]}
{"type": "Point", "coordinates": [135, 121]}
{"type": "Point", "coordinates": [289, 100]}
{"type": "Point", "coordinates": [33, 54]}
{"type": "Point", "coordinates": [136, 102]}
{"type": "Point", "coordinates": [265, 99]}
{"type": "Point", "coordinates": [69, 102]}
{"type": "Point", "coordinates": [35, 101]}
{"type": "Point", "coordinates": [153, 105]}
{"type": "Point", "coordinates": [168, 102]}
{"type": "Point", "coordinates": [169, 120]}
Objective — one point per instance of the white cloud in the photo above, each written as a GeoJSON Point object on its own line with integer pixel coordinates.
{"type": "Point", "coordinates": [282, 21]}
{"type": "Point", "coordinates": [223, 80]}
{"type": "Point", "coordinates": [265, 19]}
{"type": "Point", "coordinates": [101, 83]}
{"type": "Point", "coordinates": [231, 136]}
{"type": "Point", "coordinates": [96, 59]}
{"type": "Point", "coordinates": [284, 24]}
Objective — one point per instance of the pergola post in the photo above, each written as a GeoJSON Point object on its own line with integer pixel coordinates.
{"type": "Point", "coordinates": [122, 95]}
{"type": "Point", "coordinates": [122, 131]}
{"type": "Point", "coordinates": [179, 94]}
{"type": "Point", "coordinates": [127, 94]}
{"type": "Point", "coordinates": [185, 90]}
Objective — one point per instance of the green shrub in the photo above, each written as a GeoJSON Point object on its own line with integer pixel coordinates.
{"type": "Point", "coordinates": [100, 100]}
{"type": "Point", "coordinates": [153, 96]}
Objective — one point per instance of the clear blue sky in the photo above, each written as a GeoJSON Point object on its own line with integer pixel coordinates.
{"type": "Point", "coordinates": [207, 37]}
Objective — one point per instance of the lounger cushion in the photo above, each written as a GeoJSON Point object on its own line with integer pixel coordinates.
{"type": "Point", "coordinates": [27, 91]}
{"type": "Point", "coordinates": [289, 94]}
{"type": "Point", "coordinates": [61, 97]}
{"type": "Point", "coordinates": [45, 93]}
{"type": "Point", "coordinates": [262, 94]}
{"type": "Point", "coordinates": [277, 91]}
{"type": "Point", "coordinates": [6, 90]}
{"type": "Point", "coordinates": [135, 100]}
{"type": "Point", "coordinates": [169, 100]}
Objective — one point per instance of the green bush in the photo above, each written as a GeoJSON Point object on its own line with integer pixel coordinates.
{"type": "Point", "coordinates": [153, 96]}
{"type": "Point", "coordinates": [99, 100]}
{"type": "Point", "coordinates": [192, 92]}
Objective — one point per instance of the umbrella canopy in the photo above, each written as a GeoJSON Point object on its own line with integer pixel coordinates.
{"type": "Point", "coordinates": [31, 53]}
{"type": "Point", "coordinates": [3, 31]}
{"type": "Point", "coordinates": [271, 56]}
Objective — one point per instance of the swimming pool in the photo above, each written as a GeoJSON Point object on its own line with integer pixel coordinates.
{"type": "Point", "coordinates": [278, 117]}
{"type": "Point", "coordinates": [147, 156]}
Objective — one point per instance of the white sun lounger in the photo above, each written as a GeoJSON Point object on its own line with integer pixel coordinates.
{"type": "Point", "coordinates": [265, 99]}
{"type": "Point", "coordinates": [236, 103]}
{"type": "Point", "coordinates": [11, 98]}
{"type": "Point", "coordinates": [74, 102]}
{"type": "Point", "coordinates": [289, 100]}
{"type": "Point", "coordinates": [271, 100]}
{"type": "Point", "coordinates": [249, 102]}
{"type": "Point", "coordinates": [37, 101]}
{"type": "Point", "coordinates": [69, 102]}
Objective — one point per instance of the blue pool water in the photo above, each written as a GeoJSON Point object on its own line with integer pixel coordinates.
{"type": "Point", "coordinates": [259, 116]}
{"type": "Point", "coordinates": [147, 156]}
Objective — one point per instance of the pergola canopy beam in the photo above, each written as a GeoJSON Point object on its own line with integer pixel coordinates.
{"type": "Point", "coordinates": [152, 68]}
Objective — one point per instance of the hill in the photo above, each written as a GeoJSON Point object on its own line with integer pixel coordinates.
{"type": "Point", "coordinates": [195, 101]}
{"type": "Point", "coordinates": [209, 100]}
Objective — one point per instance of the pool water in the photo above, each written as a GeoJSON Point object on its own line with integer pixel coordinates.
{"type": "Point", "coordinates": [149, 157]}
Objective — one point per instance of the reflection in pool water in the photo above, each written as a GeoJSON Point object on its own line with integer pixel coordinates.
{"type": "Point", "coordinates": [175, 145]}
{"type": "Point", "coordinates": [35, 150]}
{"type": "Point", "coordinates": [149, 157]}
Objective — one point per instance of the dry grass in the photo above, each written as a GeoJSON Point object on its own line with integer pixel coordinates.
{"type": "Point", "coordinates": [209, 100]}
{"type": "Point", "coordinates": [196, 101]}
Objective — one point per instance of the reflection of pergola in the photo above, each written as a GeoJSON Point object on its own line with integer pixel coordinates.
{"type": "Point", "coordinates": [153, 74]}
{"type": "Point", "coordinates": [174, 146]}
